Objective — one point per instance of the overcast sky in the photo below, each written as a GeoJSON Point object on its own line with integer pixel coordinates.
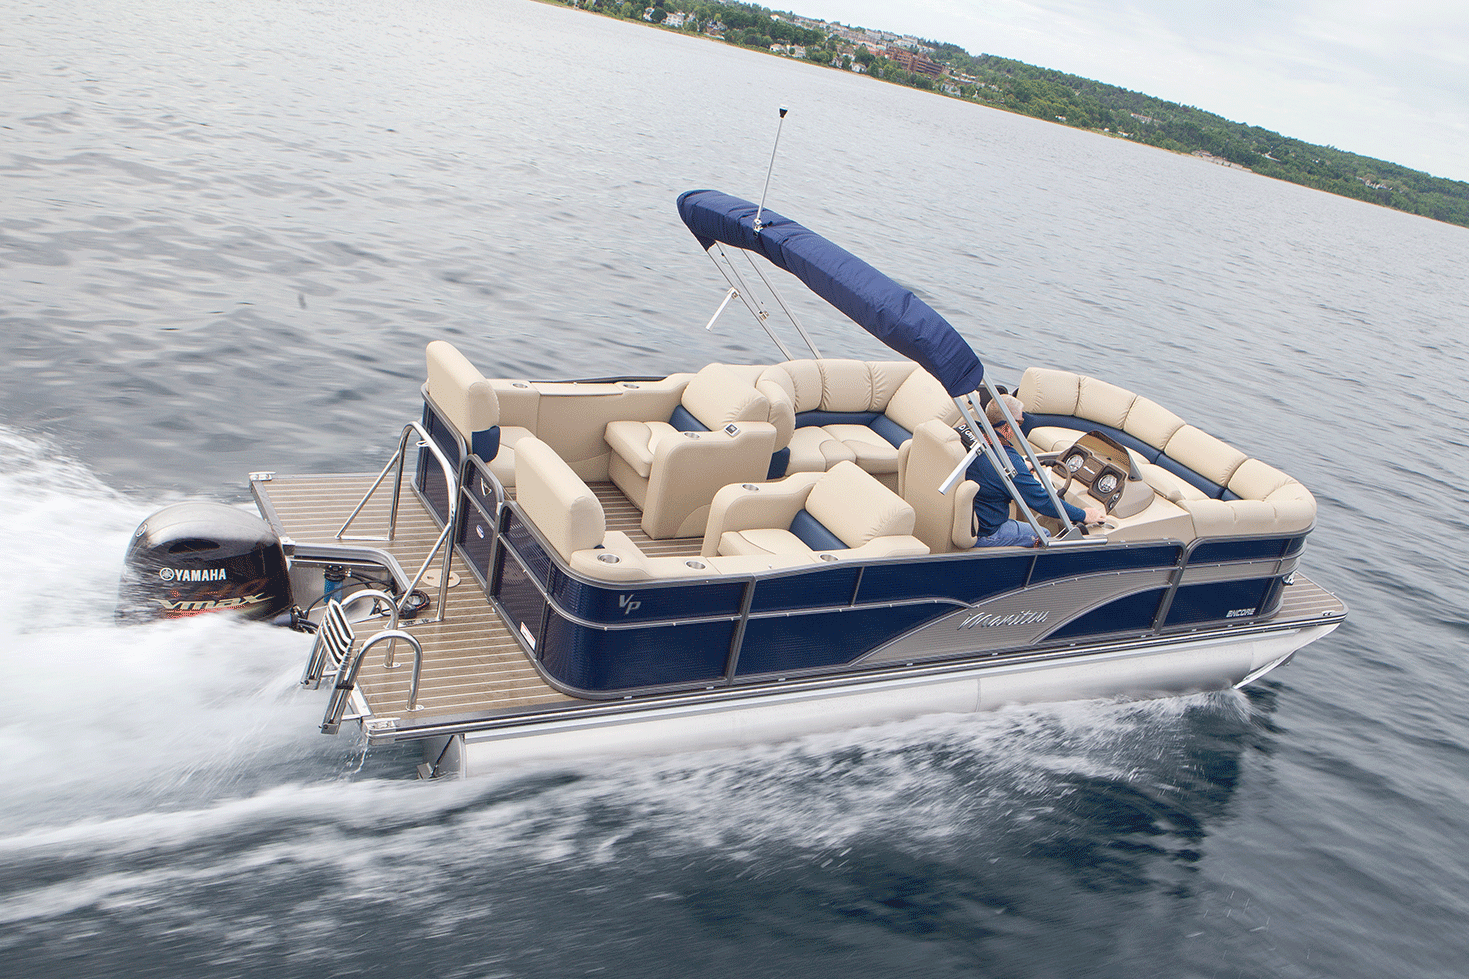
{"type": "Point", "coordinates": [1383, 78]}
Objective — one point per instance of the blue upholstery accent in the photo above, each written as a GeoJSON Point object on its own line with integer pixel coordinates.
{"type": "Point", "coordinates": [1082, 426]}
{"type": "Point", "coordinates": [486, 443]}
{"type": "Point", "coordinates": [779, 461]}
{"type": "Point", "coordinates": [813, 534]}
{"type": "Point", "coordinates": [895, 434]}
{"type": "Point", "coordinates": [1208, 487]}
{"type": "Point", "coordinates": [683, 420]}
{"type": "Point", "coordinates": [807, 418]}
{"type": "Point", "coordinates": [878, 422]}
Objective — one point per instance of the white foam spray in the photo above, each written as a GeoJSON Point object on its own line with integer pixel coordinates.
{"type": "Point", "coordinates": [169, 757]}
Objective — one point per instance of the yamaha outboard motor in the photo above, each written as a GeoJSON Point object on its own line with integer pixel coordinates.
{"type": "Point", "coordinates": [192, 558]}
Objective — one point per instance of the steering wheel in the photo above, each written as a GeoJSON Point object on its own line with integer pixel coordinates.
{"type": "Point", "coordinates": [1060, 469]}
{"type": "Point", "coordinates": [1072, 461]}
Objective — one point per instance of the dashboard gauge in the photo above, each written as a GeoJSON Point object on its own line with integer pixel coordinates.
{"type": "Point", "coordinates": [1074, 461]}
{"type": "Point", "coordinates": [1107, 484]}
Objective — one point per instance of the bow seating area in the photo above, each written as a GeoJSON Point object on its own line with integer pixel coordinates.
{"type": "Point", "coordinates": [1223, 491]}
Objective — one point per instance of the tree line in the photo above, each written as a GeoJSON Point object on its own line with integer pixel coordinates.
{"type": "Point", "coordinates": [1083, 103]}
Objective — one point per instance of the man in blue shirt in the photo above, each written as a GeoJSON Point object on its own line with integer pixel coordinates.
{"type": "Point", "coordinates": [992, 502]}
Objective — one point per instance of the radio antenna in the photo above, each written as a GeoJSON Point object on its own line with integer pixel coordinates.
{"type": "Point", "coordinates": [761, 209]}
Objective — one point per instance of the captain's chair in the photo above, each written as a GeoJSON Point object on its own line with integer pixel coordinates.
{"type": "Point", "coordinates": [719, 433]}
{"type": "Point", "coordinates": [944, 522]}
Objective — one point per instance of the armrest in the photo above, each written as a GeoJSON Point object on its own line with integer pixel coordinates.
{"type": "Point", "coordinates": [896, 545]}
{"type": "Point", "coordinates": [632, 564]}
{"type": "Point", "coordinates": [962, 533]}
{"type": "Point", "coordinates": [688, 469]}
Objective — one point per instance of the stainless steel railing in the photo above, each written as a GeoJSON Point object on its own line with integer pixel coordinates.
{"type": "Point", "coordinates": [452, 484]}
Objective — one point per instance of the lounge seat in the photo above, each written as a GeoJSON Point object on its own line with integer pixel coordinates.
{"type": "Point", "coordinates": [467, 401]}
{"type": "Point", "coordinates": [1225, 492]}
{"type": "Point", "coordinates": [856, 411]}
{"type": "Point", "coordinates": [570, 519]}
{"type": "Point", "coordinates": [719, 433]}
{"type": "Point", "coordinates": [842, 513]}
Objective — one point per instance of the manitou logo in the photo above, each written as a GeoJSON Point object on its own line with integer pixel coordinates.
{"type": "Point", "coordinates": [628, 604]}
{"type": "Point", "coordinates": [217, 605]}
{"type": "Point", "coordinates": [987, 620]}
{"type": "Point", "coordinates": [192, 574]}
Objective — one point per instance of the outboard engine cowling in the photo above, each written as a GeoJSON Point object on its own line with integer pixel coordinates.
{"type": "Point", "coordinates": [192, 558]}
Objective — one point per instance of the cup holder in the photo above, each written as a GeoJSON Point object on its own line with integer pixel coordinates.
{"type": "Point", "coordinates": [609, 559]}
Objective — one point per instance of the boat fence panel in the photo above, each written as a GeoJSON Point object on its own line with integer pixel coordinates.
{"type": "Point", "coordinates": [476, 535]}
{"type": "Point", "coordinates": [429, 478]}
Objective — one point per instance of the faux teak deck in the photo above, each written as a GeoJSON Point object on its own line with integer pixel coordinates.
{"type": "Point", "coordinates": [473, 668]}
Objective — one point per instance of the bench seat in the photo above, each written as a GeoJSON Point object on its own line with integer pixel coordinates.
{"type": "Point", "coordinates": [1225, 492]}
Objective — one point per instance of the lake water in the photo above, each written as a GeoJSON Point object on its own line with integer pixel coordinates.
{"type": "Point", "coordinates": [227, 232]}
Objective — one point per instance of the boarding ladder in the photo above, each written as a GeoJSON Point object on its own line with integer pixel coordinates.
{"type": "Point", "coordinates": [332, 656]}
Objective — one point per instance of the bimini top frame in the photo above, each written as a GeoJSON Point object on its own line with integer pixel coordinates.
{"type": "Point", "coordinates": [870, 299]}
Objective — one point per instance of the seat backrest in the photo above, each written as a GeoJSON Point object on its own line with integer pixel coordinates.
{"type": "Point", "coordinates": [717, 396]}
{"type": "Point", "coordinates": [460, 390]}
{"type": "Point", "coordinates": [840, 385]}
{"type": "Point", "coordinates": [855, 507]}
{"type": "Point", "coordinates": [554, 498]}
{"type": "Point", "coordinates": [1295, 507]}
{"type": "Point", "coordinates": [921, 398]}
{"type": "Point", "coordinates": [944, 522]}
{"type": "Point", "coordinates": [1202, 459]}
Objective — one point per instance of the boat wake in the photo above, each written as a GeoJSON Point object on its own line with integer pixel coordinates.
{"type": "Point", "coordinates": [170, 776]}
{"type": "Point", "coordinates": [104, 721]}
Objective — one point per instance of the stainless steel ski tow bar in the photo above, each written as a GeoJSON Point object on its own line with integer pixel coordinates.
{"type": "Point", "coordinates": [761, 209]}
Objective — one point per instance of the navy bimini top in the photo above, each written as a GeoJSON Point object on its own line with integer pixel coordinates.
{"type": "Point", "coordinates": [869, 298]}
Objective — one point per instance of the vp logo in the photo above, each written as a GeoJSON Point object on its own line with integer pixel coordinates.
{"type": "Point", "coordinates": [628, 603]}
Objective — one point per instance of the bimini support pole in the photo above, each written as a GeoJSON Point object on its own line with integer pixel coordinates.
{"type": "Point", "coordinates": [739, 289]}
{"type": "Point", "coordinates": [988, 443]}
{"type": "Point", "coordinates": [790, 313]}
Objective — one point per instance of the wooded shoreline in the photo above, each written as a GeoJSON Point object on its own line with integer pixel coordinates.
{"type": "Point", "coordinates": [1043, 93]}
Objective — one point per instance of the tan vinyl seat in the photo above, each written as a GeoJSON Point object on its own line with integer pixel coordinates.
{"type": "Point", "coordinates": [900, 393]}
{"type": "Point", "coordinates": [671, 474]}
{"type": "Point", "coordinates": [556, 501]}
{"type": "Point", "coordinates": [853, 514]}
{"type": "Point", "coordinates": [1224, 492]}
{"type": "Point", "coordinates": [945, 522]}
{"type": "Point", "coordinates": [468, 402]}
